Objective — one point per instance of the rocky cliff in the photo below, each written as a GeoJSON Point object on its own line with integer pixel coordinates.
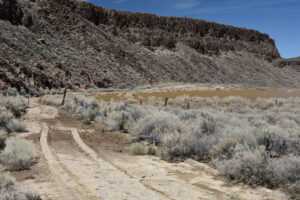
{"type": "Point", "coordinates": [58, 43]}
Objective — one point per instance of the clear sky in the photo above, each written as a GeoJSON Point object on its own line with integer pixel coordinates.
{"type": "Point", "coordinates": [278, 18]}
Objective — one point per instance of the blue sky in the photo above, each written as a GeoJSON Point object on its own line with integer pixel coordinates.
{"type": "Point", "coordinates": [278, 18]}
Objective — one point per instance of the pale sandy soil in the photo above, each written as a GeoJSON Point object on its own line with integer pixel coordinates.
{"type": "Point", "coordinates": [90, 162]}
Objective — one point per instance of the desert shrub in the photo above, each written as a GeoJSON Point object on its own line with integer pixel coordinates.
{"type": "Point", "coordinates": [9, 191]}
{"type": "Point", "coordinates": [15, 105]}
{"type": "Point", "coordinates": [19, 153]}
{"type": "Point", "coordinates": [250, 166]}
{"type": "Point", "coordinates": [293, 190]}
{"type": "Point", "coordinates": [3, 135]}
{"type": "Point", "coordinates": [35, 92]}
{"type": "Point", "coordinates": [83, 108]}
{"type": "Point", "coordinates": [86, 121]}
{"type": "Point", "coordinates": [11, 92]}
{"type": "Point", "coordinates": [287, 171]}
{"type": "Point", "coordinates": [5, 118]}
{"type": "Point", "coordinates": [208, 126]}
{"type": "Point", "coordinates": [279, 141]}
{"type": "Point", "coordinates": [15, 125]}
{"type": "Point", "coordinates": [176, 145]}
{"type": "Point", "coordinates": [187, 144]}
{"type": "Point", "coordinates": [187, 115]}
{"type": "Point", "coordinates": [224, 149]}
{"type": "Point", "coordinates": [150, 150]}
{"type": "Point", "coordinates": [17, 109]}
{"type": "Point", "coordinates": [137, 149]}
{"type": "Point", "coordinates": [32, 196]}
{"type": "Point", "coordinates": [117, 120]}
{"type": "Point", "coordinates": [153, 127]}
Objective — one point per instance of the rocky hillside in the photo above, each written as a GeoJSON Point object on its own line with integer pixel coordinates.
{"type": "Point", "coordinates": [58, 43]}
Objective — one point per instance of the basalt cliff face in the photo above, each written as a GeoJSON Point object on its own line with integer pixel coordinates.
{"type": "Point", "coordinates": [59, 43]}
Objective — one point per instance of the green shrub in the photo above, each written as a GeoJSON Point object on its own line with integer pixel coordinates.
{"type": "Point", "coordinates": [19, 153]}
{"type": "Point", "coordinates": [5, 118]}
{"type": "Point", "coordinates": [150, 150]}
{"type": "Point", "coordinates": [87, 121]}
{"type": "Point", "coordinates": [208, 126]}
{"type": "Point", "coordinates": [137, 149]}
{"type": "Point", "coordinates": [15, 125]}
{"type": "Point", "coordinates": [2, 143]}
{"type": "Point", "coordinates": [224, 149]}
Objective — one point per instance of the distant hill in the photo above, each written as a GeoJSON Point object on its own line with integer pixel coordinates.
{"type": "Point", "coordinates": [58, 43]}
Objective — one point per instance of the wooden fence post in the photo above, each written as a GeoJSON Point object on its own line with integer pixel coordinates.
{"type": "Point", "coordinates": [65, 93]}
{"type": "Point", "coordinates": [166, 102]}
{"type": "Point", "coordinates": [188, 105]}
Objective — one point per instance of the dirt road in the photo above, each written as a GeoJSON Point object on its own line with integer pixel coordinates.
{"type": "Point", "coordinates": [90, 162]}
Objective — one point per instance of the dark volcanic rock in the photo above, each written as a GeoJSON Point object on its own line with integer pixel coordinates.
{"type": "Point", "coordinates": [152, 30]}
{"type": "Point", "coordinates": [58, 43]}
{"type": "Point", "coordinates": [11, 11]}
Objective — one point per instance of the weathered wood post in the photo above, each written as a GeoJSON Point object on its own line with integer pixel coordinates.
{"type": "Point", "coordinates": [166, 102]}
{"type": "Point", "coordinates": [276, 102]}
{"type": "Point", "coordinates": [65, 93]}
{"type": "Point", "coordinates": [141, 101]}
{"type": "Point", "coordinates": [188, 105]}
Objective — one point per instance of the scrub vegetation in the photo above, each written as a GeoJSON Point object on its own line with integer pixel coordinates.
{"type": "Point", "coordinates": [254, 141]}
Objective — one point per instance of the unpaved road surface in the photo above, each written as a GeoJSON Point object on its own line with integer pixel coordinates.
{"type": "Point", "coordinates": [80, 162]}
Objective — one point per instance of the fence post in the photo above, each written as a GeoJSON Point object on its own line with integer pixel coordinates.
{"type": "Point", "coordinates": [166, 102]}
{"type": "Point", "coordinates": [63, 101]}
{"type": "Point", "coordinates": [188, 105]}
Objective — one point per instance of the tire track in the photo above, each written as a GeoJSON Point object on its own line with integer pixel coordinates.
{"type": "Point", "coordinates": [118, 178]}
{"type": "Point", "coordinates": [64, 177]}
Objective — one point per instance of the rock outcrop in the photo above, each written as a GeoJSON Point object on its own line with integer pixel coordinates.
{"type": "Point", "coordinates": [59, 43]}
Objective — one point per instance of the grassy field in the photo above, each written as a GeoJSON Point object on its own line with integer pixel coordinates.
{"type": "Point", "coordinates": [252, 94]}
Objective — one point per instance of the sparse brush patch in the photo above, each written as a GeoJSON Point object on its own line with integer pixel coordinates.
{"type": "Point", "coordinates": [3, 136]}
{"type": "Point", "coordinates": [287, 171]}
{"type": "Point", "coordinates": [244, 138]}
{"type": "Point", "coordinates": [16, 108]}
{"type": "Point", "coordinates": [16, 105]}
{"type": "Point", "coordinates": [253, 167]}
{"type": "Point", "coordinates": [137, 149]}
{"type": "Point", "coordinates": [154, 126]}
{"type": "Point", "coordinates": [83, 108]}
{"type": "Point", "coordinates": [150, 150]}
{"type": "Point", "coordinates": [87, 121]}
{"type": "Point", "coordinates": [11, 92]}
{"type": "Point", "coordinates": [224, 149]}
{"type": "Point", "coordinates": [208, 126]}
{"type": "Point", "coordinates": [9, 191]}
{"type": "Point", "coordinates": [19, 153]}
{"type": "Point", "coordinates": [15, 125]}
{"type": "Point", "coordinates": [234, 196]}
{"type": "Point", "coordinates": [279, 141]}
